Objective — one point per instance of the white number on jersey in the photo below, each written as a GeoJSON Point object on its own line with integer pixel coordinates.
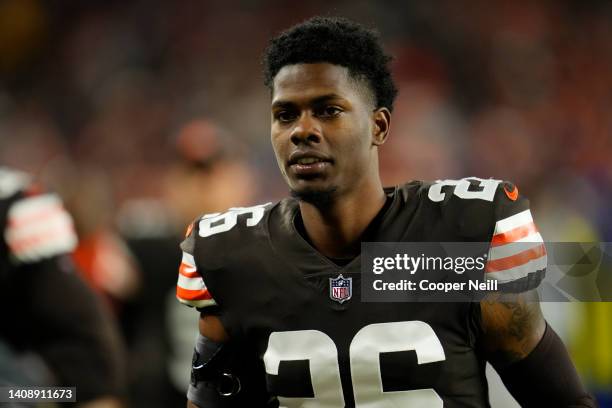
{"type": "Point", "coordinates": [216, 223]}
{"type": "Point", "coordinates": [486, 192]}
{"type": "Point", "coordinates": [322, 355]}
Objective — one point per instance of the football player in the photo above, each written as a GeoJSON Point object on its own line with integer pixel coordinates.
{"type": "Point", "coordinates": [44, 306]}
{"type": "Point", "coordinates": [272, 334]}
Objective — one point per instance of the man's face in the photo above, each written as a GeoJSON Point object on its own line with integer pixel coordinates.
{"type": "Point", "coordinates": [321, 132]}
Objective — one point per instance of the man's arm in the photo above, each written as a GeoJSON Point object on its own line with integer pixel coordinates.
{"type": "Point", "coordinates": [213, 335]}
{"type": "Point", "coordinates": [225, 373]}
{"type": "Point", "coordinates": [212, 328]}
{"type": "Point", "coordinates": [513, 326]}
{"type": "Point", "coordinates": [528, 355]}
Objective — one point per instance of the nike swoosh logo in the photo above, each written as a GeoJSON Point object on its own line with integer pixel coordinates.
{"type": "Point", "coordinates": [512, 195]}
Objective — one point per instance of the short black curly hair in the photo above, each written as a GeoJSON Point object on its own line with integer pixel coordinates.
{"type": "Point", "coordinates": [337, 41]}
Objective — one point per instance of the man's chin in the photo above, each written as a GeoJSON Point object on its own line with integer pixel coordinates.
{"type": "Point", "coordinates": [315, 196]}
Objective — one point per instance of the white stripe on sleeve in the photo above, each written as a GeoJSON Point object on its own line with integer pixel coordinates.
{"type": "Point", "coordinates": [513, 221]}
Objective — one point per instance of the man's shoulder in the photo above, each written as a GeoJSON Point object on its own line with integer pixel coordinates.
{"type": "Point", "coordinates": [470, 206]}
{"type": "Point", "coordinates": [495, 212]}
{"type": "Point", "coordinates": [224, 232]}
{"type": "Point", "coordinates": [228, 241]}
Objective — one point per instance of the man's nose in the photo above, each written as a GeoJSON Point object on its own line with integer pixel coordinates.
{"type": "Point", "coordinates": [306, 130]}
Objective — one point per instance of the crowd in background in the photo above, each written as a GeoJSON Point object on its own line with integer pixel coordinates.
{"type": "Point", "coordinates": [143, 114]}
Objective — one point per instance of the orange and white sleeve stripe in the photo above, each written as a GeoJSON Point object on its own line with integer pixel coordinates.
{"type": "Point", "coordinates": [190, 288]}
{"type": "Point", "coordinates": [516, 249]}
{"type": "Point", "coordinates": [39, 227]}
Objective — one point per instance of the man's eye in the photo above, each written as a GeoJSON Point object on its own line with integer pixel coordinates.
{"type": "Point", "coordinates": [285, 116]}
{"type": "Point", "coordinates": [329, 112]}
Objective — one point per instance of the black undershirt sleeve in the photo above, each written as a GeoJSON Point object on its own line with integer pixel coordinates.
{"type": "Point", "coordinates": [220, 362]}
{"type": "Point", "coordinates": [546, 377]}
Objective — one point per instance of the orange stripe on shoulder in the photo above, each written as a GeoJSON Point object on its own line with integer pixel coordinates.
{"type": "Point", "coordinates": [188, 230]}
{"type": "Point", "coordinates": [514, 234]}
{"type": "Point", "coordinates": [187, 294]}
{"type": "Point", "coordinates": [188, 271]}
{"type": "Point", "coordinates": [516, 260]}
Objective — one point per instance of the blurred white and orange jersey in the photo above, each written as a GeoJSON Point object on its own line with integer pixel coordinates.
{"type": "Point", "coordinates": [34, 223]}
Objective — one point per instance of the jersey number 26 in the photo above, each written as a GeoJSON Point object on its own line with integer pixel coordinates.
{"type": "Point", "coordinates": [321, 352]}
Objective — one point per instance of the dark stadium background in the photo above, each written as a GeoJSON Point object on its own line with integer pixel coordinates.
{"type": "Point", "coordinates": [144, 113]}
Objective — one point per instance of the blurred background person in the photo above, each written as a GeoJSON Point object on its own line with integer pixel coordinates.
{"type": "Point", "coordinates": [207, 174]}
{"type": "Point", "coordinates": [46, 310]}
{"type": "Point", "coordinates": [102, 256]}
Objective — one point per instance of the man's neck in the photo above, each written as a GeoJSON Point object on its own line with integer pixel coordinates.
{"type": "Point", "coordinates": [335, 229]}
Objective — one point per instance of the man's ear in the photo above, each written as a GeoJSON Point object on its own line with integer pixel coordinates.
{"type": "Point", "coordinates": [382, 122]}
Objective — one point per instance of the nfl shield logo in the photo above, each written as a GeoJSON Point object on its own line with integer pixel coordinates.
{"type": "Point", "coordinates": [340, 289]}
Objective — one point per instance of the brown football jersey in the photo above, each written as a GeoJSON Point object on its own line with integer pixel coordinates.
{"type": "Point", "coordinates": [271, 289]}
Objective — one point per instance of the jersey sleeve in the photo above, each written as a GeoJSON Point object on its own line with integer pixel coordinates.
{"type": "Point", "coordinates": [190, 287]}
{"type": "Point", "coordinates": [38, 227]}
{"type": "Point", "coordinates": [517, 255]}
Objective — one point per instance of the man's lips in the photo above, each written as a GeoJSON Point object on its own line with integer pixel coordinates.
{"type": "Point", "coordinates": [307, 157]}
{"type": "Point", "coordinates": [308, 163]}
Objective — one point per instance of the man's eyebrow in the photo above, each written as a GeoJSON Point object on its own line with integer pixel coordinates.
{"type": "Point", "coordinates": [314, 101]}
{"type": "Point", "coordinates": [282, 104]}
{"type": "Point", "coordinates": [325, 98]}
